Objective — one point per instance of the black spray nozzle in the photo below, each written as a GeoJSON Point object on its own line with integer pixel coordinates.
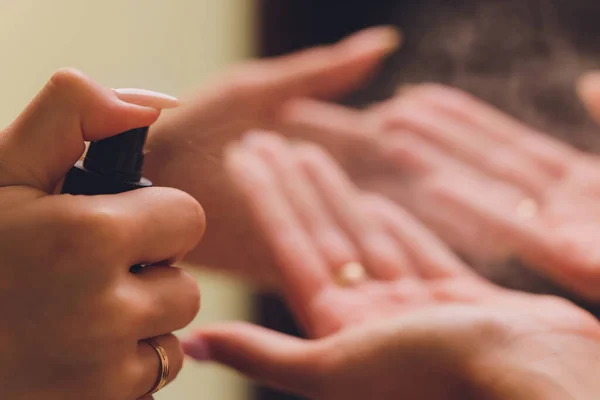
{"type": "Point", "coordinates": [121, 156]}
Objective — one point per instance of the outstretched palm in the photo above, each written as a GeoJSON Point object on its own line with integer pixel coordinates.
{"type": "Point", "coordinates": [489, 186]}
{"type": "Point", "coordinates": [530, 194]}
{"type": "Point", "coordinates": [416, 324]}
{"type": "Point", "coordinates": [322, 229]}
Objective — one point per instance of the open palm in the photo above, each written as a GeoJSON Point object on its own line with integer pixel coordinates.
{"type": "Point", "coordinates": [529, 194]}
{"type": "Point", "coordinates": [416, 312]}
{"type": "Point", "coordinates": [488, 185]}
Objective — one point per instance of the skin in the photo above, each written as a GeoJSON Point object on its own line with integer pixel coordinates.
{"type": "Point", "coordinates": [440, 171]}
{"type": "Point", "coordinates": [491, 187]}
{"type": "Point", "coordinates": [188, 142]}
{"type": "Point", "coordinates": [73, 317]}
{"type": "Point", "coordinates": [501, 163]}
{"type": "Point", "coordinates": [418, 318]}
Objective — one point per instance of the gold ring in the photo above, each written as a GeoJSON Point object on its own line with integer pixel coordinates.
{"type": "Point", "coordinates": [351, 273]}
{"type": "Point", "coordinates": [527, 208]}
{"type": "Point", "coordinates": [163, 367]}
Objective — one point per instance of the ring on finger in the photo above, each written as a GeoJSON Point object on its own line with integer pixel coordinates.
{"type": "Point", "coordinates": [163, 373]}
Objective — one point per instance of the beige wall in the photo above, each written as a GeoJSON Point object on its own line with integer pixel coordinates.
{"type": "Point", "coordinates": [166, 45]}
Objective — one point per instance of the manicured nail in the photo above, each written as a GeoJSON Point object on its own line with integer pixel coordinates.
{"type": "Point", "coordinates": [196, 349]}
{"type": "Point", "coordinates": [146, 98]}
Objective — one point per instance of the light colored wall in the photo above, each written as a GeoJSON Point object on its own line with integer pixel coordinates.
{"type": "Point", "coordinates": [165, 45]}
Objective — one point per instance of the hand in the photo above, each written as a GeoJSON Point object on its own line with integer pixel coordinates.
{"type": "Point", "coordinates": [73, 317]}
{"type": "Point", "coordinates": [185, 147]}
{"type": "Point", "coordinates": [488, 185]}
{"type": "Point", "coordinates": [418, 324]}
{"type": "Point", "coordinates": [521, 192]}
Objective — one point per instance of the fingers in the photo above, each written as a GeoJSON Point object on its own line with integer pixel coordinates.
{"type": "Point", "coordinates": [149, 363]}
{"type": "Point", "coordinates": [167, 297]}
{"type": "Point", "coordinates": [494, 210]}
{"type": "Point", "coordinates": [272, 358]}
{"type": "Point", "coordinates": [463, 140]}
{"type": "Point", "coordinates": [417, 156]}
{"type": "Point", "coordinates": [302, 267]}
{"type": "Point", "coordinates": [429, 255]}
{"type": "Point", "coordinates": [322, 206]}
{"type": "Point", "coordinates": [381, 255]}
{"type": "Point", "coordinates": [538, 245]}
{"type": "Point", "coordinates": [312, 213]}
{"type": "Point", "coordinates": [322, 72]}
{"type": "Point", "coordinates": [549, 154]}
{"type": "Point", "coordinates": [48, 137]}
{"type": "Point", "coordinates": [435, 172]}
{"type": "Point", "coordinates": [152, 225]}
{"type": "Point", "coordinates": [326, 123]}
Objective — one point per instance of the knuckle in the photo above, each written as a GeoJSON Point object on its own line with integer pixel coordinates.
{"type": "Point", "coordinates": [192, 298]}
{"type": "Point", "coordinates": [108, 322]}
{"type": "Point", "coordinates": [180, 305]}
{"type": "Point", "coordinates": [79, 228]}
{"type": "Point", "coordinates": [66, 80]}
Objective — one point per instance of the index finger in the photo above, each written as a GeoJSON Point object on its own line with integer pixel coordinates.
{"type": "Point", "coordinates": [46, 140]}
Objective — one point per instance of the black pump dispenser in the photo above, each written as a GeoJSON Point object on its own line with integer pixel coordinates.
{"type": "Point", "coordinates": [111, 166]}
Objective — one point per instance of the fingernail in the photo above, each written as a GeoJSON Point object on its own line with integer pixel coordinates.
{"type": "Point", "coordinates": [196, 349]}
{"type": "Point", "coordinates": [146, 98]}
{"type": "Point", "coordinates": [389, 37]}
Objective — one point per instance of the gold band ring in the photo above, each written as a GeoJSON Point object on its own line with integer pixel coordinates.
{"type": "Point", "coordinates": [163, 367]}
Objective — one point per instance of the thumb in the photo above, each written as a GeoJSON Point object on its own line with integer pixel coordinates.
{"type": "Point", "coordinates": [38, 149]}
{"type": "Point", "coordinates": [278, 360]}
{"type": "Point", "coordinates": [588, 90]}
